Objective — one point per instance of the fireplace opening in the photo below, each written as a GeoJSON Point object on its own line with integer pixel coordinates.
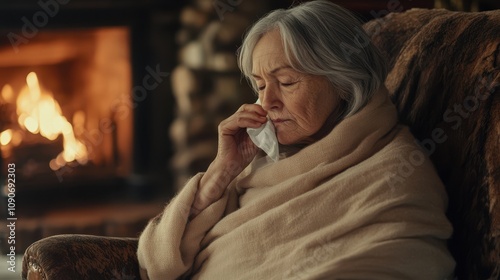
{"type": "Point", "coordinates": [65, 107]}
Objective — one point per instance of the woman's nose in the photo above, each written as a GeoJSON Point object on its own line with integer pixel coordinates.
{"type": "Point", "coordinates": [269, 99]}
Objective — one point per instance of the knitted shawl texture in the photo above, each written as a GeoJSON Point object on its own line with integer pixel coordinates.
{"type": "Point", "coordinates": [364, 202]}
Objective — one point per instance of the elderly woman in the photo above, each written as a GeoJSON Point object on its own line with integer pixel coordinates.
{"type": "Point", "coordinates": [351, 195]}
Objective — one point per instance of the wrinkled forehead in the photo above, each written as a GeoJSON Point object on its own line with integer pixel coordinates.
{"type": "Point", "coordinates": [269, 53]}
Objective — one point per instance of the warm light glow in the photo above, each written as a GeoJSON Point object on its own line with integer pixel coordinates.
{"type": "Point", "coordinates": [31, 125]}
{"type": "Point", "coordinates": [7, 93]}
{"type": "Point", "coordinates": [33, 85]}
{"type": "Point", "coordinates": [6, 137]}
{"type": "Point", "coordinates": [17, 138]}
{"type": "Point", "coordinates": [79, 122]}
{"type": "Point", "coordinates": [39, 112]}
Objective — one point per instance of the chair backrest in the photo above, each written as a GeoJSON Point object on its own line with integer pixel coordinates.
{"type": "Point", "coordinates": [444, 78]}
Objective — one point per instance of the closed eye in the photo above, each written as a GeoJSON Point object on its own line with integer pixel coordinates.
{"type": "Point", "coordinates": [288, 84]}
{"type": "Point", "coordinates": [261, 88]}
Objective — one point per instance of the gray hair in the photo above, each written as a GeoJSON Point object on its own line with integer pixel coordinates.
{"type": "Point", "coordinates": [322, 38]}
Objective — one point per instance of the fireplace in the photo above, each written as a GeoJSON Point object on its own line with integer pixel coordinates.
{"type": "Point", "coordinates": [85, 106]}
{"type": "Point", "coordinates": [67, 113]}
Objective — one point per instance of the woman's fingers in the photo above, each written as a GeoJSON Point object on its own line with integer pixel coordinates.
{"type": "Point", "coordinates": [249, 119]}
{"type": "Point", "coordinates": [253, 108]}
{"type": "Point", "coordinates": [245, 117]}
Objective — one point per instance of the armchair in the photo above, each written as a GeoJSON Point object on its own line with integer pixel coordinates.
{"type": "Point", "coordinates": [445, 81]}
{"type": "Point", "coordinates": [81, 257]}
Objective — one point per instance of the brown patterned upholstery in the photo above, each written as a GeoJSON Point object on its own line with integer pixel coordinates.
{"type": "Point", "coordinates": [441, 61]}
{"type": "Point", "coordinates": [445, 81]}
{"type": "Point", "coordinates": [75, 257]}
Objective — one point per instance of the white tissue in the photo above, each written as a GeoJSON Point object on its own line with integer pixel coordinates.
{"type": "Point", "coordinates": [264, 137]}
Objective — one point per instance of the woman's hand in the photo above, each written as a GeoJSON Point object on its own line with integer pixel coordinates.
{"type": "Point", "coordinates": [235, 151]}
{"type": "Point", "coordinates": [235, 147]}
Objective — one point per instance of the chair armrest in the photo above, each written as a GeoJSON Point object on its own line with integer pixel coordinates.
{"type": "Point", "coordinates": [81, 257]}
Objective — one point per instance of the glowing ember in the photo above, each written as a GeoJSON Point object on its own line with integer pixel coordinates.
{"type": "Point", "coordinates": [40, 113]}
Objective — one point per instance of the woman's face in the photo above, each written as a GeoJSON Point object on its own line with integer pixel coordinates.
{"type": "Point", "coordinates": [297, 103]}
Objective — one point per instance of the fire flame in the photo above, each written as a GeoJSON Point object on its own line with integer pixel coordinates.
{"type": "Point", "coordinates": [40, 113]}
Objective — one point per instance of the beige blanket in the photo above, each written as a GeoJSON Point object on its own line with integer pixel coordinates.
{"type": "Point", "coordinates": [362, 203]}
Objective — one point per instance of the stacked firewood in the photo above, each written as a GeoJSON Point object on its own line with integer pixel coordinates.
{"type": "Point", "coordinates": [207, 83]}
